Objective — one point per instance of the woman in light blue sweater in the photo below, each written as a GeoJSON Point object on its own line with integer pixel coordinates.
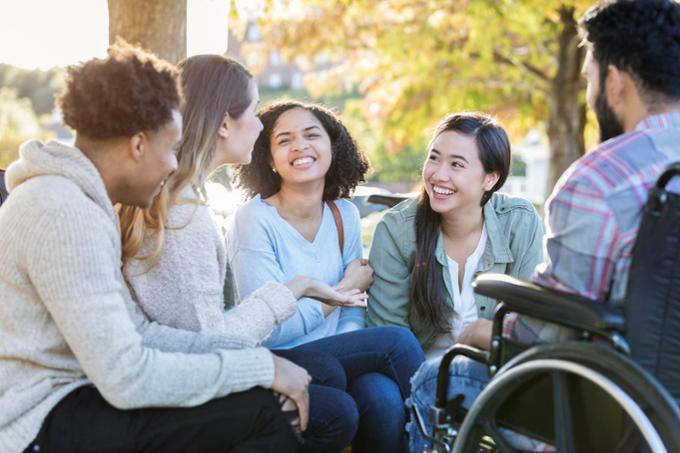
{"type": "Point", "coordinates": [304, 164]}
{"type": "Point", "coordinates": [260, 237]}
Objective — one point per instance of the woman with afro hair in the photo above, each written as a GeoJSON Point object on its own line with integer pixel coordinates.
{"type": "Point", "coordinates": [304, 166]}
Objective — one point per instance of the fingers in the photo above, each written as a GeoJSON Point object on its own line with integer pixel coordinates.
{"type": "Point", "coordinates": [356, 299]}
{"type": "Point", "coordinates": [303, 409]}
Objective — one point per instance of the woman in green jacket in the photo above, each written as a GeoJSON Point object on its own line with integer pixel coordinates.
{"type": "Point", "coordinates": [427, 251]}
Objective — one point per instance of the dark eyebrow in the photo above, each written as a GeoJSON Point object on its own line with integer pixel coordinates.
{"type": "Point", "coordinates": [307, 129]}
{"type": "Point", "coordinates": [451, 156]}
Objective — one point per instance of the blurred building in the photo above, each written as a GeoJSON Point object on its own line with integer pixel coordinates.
{"type": "Point", "coordinates": [271, 72]}
{"type": "Point", "coordinates": [533, 183]}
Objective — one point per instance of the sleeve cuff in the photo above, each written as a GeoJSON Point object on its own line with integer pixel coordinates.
{"type": "Point", "coordinates": [250, 368]}
{"type": "Point", "coordinates": [280, 300]}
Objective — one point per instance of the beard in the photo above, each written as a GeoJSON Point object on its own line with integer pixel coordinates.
{"type": "Point", "coordinates": [610, 125]}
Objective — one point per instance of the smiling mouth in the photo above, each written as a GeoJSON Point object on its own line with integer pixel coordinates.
{"type": "Point", "coordinates": [303, 161]}
{"type": "Point", "coordinates": [438, 190]}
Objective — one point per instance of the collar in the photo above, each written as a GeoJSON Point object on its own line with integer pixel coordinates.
{"type": "Point", "coordinates": [659, 121]}
{"type": "Point", "coordinates": [496, 249]}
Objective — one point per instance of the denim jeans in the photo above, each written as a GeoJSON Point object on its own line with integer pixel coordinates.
{"type": "Point", "coordinates": [378, 363]}
{"type": "Point", "coordinates": [333, 414]}
{"type": "Point", "coordinates": [466, 377]}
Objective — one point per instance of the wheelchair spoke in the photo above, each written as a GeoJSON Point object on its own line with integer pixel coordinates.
{"type": "Point", "coordinates": [631, 441]}
{"type": "Point", "coordinates": [564, 430]}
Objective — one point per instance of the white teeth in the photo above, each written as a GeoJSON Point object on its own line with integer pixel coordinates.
{"type": "Point", "coordinates": [441, 190]}
{"type": "Point", "coordinates": [302, 161]}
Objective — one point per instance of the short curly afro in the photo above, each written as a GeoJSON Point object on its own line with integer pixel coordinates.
{"type": "Point", "coordinates": [641, 37]}
{"type": "Point", "coordinates": [127, 92]}
{"type": "Point", "coordinates": [348, 166]}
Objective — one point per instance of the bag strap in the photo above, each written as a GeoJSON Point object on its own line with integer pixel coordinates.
{"type": "Point", "coordinates": [338, 224]}
{"type": "Point", "coordinates": [3, 189]}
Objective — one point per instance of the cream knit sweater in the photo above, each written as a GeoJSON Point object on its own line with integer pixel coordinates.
{"type": "Point", "coordinates": [66, 318]}
{"type": "Point", "coordinates": [184, 286]}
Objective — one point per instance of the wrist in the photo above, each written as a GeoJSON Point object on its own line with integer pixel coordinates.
{"type": "Point", "coordinates": [298, 286]}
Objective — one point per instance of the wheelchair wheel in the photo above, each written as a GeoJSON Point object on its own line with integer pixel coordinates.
{"type": "Point", "coordinates": [571, 397]}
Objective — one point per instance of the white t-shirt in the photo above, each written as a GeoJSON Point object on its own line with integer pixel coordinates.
{"type": "Point", "coordinates": [463, 299]}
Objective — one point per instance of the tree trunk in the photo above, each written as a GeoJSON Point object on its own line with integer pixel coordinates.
{"type": "Point", "coordinates": [566, 107]}
{"type": "Point", "coordinates": [159, 26]}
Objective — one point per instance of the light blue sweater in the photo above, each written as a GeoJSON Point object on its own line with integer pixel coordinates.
{"type": "Point", "coordinates": [263, 247]}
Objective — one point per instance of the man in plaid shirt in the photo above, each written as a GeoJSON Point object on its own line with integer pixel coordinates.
{"type": "Point", "coordinates": [633, 73]}
{"type": "Point", "coordinates": [593, 215]}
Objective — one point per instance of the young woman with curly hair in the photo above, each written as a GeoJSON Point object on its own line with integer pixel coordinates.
{"type": "Point", "coordinates": [305, 163]}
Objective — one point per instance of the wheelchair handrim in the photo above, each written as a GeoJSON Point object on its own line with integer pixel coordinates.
{"type": "Point", "coordinates": [535, 366]}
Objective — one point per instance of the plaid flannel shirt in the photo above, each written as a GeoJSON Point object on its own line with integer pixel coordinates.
{"type": "Point", "coordinates": [593, 215]}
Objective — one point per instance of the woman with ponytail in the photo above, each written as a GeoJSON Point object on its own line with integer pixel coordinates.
{"type": "Point", "coordinates": [427, 251]}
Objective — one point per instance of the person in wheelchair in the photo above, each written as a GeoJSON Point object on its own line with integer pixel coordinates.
{"type": "Point", "coordinates": [593, 217]}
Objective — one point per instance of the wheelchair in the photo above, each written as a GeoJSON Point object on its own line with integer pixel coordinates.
{"type": "Point", "coordinates": [616, 388]}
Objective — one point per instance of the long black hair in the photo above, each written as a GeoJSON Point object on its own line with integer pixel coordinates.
{"type": "Point", "coordinates": [429, 304]}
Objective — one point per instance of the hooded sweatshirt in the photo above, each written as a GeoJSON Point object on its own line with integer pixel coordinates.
{"type": "Point", "coordinates": [67, 319]}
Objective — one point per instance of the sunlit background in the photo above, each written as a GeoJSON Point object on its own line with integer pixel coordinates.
{"type": "Point", "coordinates": [391, 69]}
{"type": "Point", "coordinates": [41, 34]}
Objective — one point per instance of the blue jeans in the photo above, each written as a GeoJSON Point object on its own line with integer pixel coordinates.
{"type": "Point", "coordinates": [333, 414]}
{"type": "Point", "coordinates": [378, 363]}
{"type": "Point", "coordinates": [466, 377]}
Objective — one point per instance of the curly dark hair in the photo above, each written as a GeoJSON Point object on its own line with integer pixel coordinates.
{"type": "Point", "coordinates": [348, 165]}
{"type": "Point", "coordinates": [127, 92]}
{"type": "Point", "coordinates": [641, 37]}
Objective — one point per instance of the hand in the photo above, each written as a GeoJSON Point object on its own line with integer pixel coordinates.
{"type": "Point", "coordinates": [310, 287]}
{"type": "Point", "coordinates": [293, 381]}
{"type": "Point", "coordinates": [357, 275]}
{"type": "Point", "coordinates": [477, 334]}
{"type": "Point", "coordinates": [334, 297]}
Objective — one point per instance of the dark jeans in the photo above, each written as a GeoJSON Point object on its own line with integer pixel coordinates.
{"type": "Point", "coordinates": [333, 414]}
{"type": "Point", "coordinates": [242, 422]}
{"type": "Point", "coordinates": [375, 365]}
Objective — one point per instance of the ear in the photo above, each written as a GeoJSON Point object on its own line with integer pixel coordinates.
{"type": "Point", "coordinates": [136, 146]}
{"type": "Point", "coordinates": [615, 86]}
{"type": "Point", "coordinates": [223, 130]}
{"type": "Point", "coordinates": [490, 180]}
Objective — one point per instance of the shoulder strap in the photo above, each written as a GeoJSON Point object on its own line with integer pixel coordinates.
{"type": "Point", "coordinates": [338, 224]}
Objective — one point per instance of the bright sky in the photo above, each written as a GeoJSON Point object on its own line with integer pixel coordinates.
{"type": "Point", "coordinates": [47, 33]}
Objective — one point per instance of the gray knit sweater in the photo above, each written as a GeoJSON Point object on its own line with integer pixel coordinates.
{"type": "Point", "coordinates": [184, 286]}
{"type": "Point", "coordinates": [66, 317]}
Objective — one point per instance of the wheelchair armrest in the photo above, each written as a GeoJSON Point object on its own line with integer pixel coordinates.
{"type": "Point", "coordinates": [549, 305]}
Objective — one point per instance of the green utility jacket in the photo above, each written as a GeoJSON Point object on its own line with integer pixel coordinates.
{"type": "Point", "coordinates": [513, 247]}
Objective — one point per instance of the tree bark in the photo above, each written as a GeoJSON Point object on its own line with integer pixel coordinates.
{"type": "Point", "coordinates": [159, 26]}
{"type": "Point", "coordinates": [566, 107]}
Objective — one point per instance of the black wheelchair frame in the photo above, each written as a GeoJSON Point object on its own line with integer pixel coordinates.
{"type": "Point", "coordinates": [618, 391]}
